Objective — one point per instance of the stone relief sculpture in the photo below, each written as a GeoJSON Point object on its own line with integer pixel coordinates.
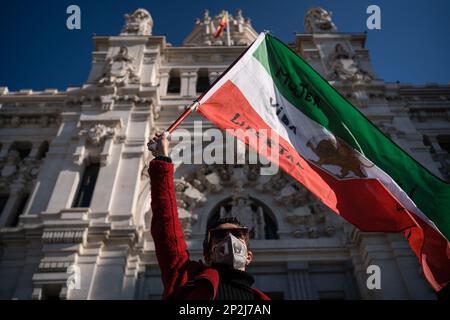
{"type": "Point", "coordinates": [15, 170]}
{"type": "Point", "coordinates": [97, 133]}
{"type": "Point", "coordinates": [345, 68]}
{"type": "Point", "coordinates": [119, 69]}
{"type": "Point", "coordinates": [139, 22]}
{"type": "Point", "coordinates": [319, 20]}
{"type": "Point", "coordinates": [303, 212]}
{"type": "Point", "coordinates": [188, 197]}
{"type": "Point", "coordinates": [248, 212]}
{"type": "Point", "coordinates": [12, 164]}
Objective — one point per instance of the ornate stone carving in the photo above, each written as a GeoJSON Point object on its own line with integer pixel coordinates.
{"type": "Point", "coordinates": [311, 221]}
{"type": "Point", "coordinates": [302, 210]}
{"type": "Point", "coordinates": [12, 164]}
{"type": "Point", "coordinates": [210, 178]}
{"type": "Point", "coordinates": [156, 110]}
{"type": "Point", "coordinates": [15, 170]}
{"type": "Point", "coordinates": [139, 22]}
{"type": "Point", "coordinates": [360, 96]}
{"type": "Point", "coordinates": [119, 69]}
{"type": "Point", "coordinates": [62, 236]}
{"type": "Point", "coordinates": [107, 101]}
{"type": "Point", "coordinates": [97, 134]}
{"type": "Point", "coordinates": [345, 68]}
{"type": "Point", "coordinates": [54, 265]}
{"type": "Point", "coordinates": [35, 120]}
{"type": "Point", "coordinates": [188, 197]}
{"type": "Point", "coordinates": [248, 212]}
{"type": "Point", "coordinates": [319, 20]}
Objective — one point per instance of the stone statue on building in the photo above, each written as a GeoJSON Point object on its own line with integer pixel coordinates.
{"type": "Point", "coordinates": [139, 22]}
{"type": "Point", "coordinates": [241, 31]}
{"type": "Point", "coordinates": [319, 20]}
{"type": "Point", "coordinates": [345, 68]}
{"type": "Point", "coordinates": [119, 69]}
{"type": "Point", "coordinates": [248, 212]}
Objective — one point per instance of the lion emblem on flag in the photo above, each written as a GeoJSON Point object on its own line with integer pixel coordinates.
{"type": "Point", "coordinates": [338, 153]}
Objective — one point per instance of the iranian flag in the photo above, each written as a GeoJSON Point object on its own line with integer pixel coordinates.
{"type": "Point", "coordinates": [331, 148]}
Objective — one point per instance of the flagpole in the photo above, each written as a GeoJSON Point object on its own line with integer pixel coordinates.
{"type": "Point", "coordinates": [177, 122]}
{"type": "Point", "coordinates": [228, 29]}
{"type": "Point", "coordinates": [195, 104]}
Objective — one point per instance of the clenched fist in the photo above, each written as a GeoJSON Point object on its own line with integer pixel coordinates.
{"type": "Point", "coordinates": [159, 144]}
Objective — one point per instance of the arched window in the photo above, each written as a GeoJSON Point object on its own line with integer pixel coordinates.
{"type": "Point", "coordinates": [202, 80]}
{"type": "Point", "coordinates": [253, 213]}
{"type": "Point", "coordinates": [86, 186]}
{"type": "Point", "coordinates": [174, 84]}
{"type": "Point", "coordinates": [22, 147]}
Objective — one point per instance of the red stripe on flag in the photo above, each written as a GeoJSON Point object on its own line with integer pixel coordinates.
{"type": "Point", "coordinates": [365, 203]}
{"type": "Point", "coordinates": [221, 27]}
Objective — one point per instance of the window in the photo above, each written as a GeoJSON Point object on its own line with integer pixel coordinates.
{"type": "Point", "coordinates": [202, 81]}
{"type": "Point", "coordinates": [51, 292]}
{"type": "Point", "coordinates": [22, 147]}
{"type": "Point", "coordinates": [86, 187]}
{"type": "Point", "coordinates": [42, 152]}
{"type": "Point", "coordinates": [174, 81]}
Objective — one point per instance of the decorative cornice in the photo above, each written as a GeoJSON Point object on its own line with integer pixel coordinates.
{"type": "Point", "coordinates": [63, 236]}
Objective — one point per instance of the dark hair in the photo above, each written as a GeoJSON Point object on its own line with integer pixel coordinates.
{"type": "Point", "coordinates": [232, 220]}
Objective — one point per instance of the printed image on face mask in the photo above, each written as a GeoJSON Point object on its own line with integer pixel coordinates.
{"type": "Point", "coordinates": [222, 249]}
{"type": "Point", "coordinates": [237, 248]}
{"type": "Point", "coordinates": [230, 251]}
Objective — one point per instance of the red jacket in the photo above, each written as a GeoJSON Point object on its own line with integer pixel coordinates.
{"type": "Point", "coordinates": [182, 277]}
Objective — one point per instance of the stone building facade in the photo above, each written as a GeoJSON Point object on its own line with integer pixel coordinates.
{"type": "Point", "coordinates": [74, 191]}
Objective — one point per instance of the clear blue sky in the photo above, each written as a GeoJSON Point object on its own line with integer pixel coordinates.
{"type": "Point", "coordinates": [38, 51]}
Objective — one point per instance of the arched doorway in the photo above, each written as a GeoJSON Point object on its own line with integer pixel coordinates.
{"type": "Point", "coordinates": [252, 212]}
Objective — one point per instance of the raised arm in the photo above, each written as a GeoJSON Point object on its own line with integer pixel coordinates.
{"type": "Point", "coordinates": [167, 233]}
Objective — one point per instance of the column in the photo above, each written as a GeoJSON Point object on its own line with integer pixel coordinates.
{"type": "Point", "coordinates": [299, 282]}
{"type": "Point", "coordinates": [375, 250]}
{"type": "Point", "coordinates": [59, 156]}
{"type": "Point", "coordinates": [16, 195]}
{"type": "Point", "coordinates": [409, 268]}
{"type": "Point", "coordinates": [66, 186]}
{"type": "Point", "coordinates": [107, 281]}
{"type": "Point", "coordinates": [163, 81]}
{"type": "Point", "coordinates": [126, 185]}
{"type": "Point", "coordinates": [188, 82]}
{"type": "Point", "coordinates": [214, 74]}
{"type": "Point", "coordinates": [192, 91]}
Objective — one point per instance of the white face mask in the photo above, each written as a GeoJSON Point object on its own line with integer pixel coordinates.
{"type": "Point", "coordinates": [230, 251]}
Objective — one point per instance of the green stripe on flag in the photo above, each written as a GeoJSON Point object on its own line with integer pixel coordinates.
{"type": "Point", "coordinates": [304, 88]}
